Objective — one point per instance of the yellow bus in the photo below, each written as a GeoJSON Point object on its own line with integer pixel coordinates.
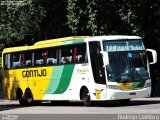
{"type": "Point", "coordinates": [78, 68]}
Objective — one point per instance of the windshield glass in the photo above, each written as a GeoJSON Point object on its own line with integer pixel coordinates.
{"type": "Point", "coordinates": [127, 66]}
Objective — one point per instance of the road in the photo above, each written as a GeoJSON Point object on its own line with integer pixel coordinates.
{"type": "Point", "coordinates": [136, 106]}
{"type": "Point", "coordinates": [143, 106]}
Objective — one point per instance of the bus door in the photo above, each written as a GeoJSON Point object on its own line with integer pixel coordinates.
{"type": "Point", "coordinates": [97, 63]}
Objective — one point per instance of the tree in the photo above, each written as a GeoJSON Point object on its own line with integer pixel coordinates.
{"type": "Point", "coordinates": [19, 22]}
{"type": "Point", "coordinates": [54, 24]}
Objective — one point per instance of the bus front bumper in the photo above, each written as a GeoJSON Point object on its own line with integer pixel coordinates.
{"type": "Point", "coordinates": [119, 94]}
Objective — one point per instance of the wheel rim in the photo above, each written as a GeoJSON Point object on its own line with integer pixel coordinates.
{"type": "Point", "coordinates": [29, 100]}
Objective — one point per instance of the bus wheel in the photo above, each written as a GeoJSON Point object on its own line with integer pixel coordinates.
{"type": "Point", "coordinates": [124, 101]}
{"type": "Point", "coordinates": [20, 97]}
{"type": "Point", "coordinates": [86, 98]}
{"type": "Point", "coordinates": [28, 98]}
{"type": "Point", "coordinates": [22, 101]}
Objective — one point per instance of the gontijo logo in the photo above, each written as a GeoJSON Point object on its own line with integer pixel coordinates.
{"type": "Point", "coordinates": [34, 73]}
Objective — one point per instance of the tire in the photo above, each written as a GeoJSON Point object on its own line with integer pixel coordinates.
{"type": "Point", "coordinates": [86, 98]}
{"type": "Point", "coordinates": [20, 97]}
{"type": "Point", "coordinates": [22, 101]}
{"type": "Point", "coordinates": [124, 102]}
{"type": "Point", "coordinates": [29, 98]}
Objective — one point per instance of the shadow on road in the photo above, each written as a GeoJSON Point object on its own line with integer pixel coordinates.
{"type": "Point", "coordinates": [11, 105]}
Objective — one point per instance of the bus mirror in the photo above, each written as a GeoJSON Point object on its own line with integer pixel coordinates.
{"type": "Point", "coordinates": [105, 58]}
{"type": "Point", "coordinates": [154, 55]}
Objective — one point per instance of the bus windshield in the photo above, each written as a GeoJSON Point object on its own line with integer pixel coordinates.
{"type": "Point", "coordinates": [127, 61]}
{"type": "Point", "coordinates": [127, 67]}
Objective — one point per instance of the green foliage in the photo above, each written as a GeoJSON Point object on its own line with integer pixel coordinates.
{"type": "Point", "coordinates": [92, 14]}
{"type": "Point", "coordinates": [73, 18]}
{"type": "Point", "coordinates": [18, 21]}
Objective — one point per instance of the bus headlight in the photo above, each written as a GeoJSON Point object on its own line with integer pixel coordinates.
{"type": "Point", "coordinates": [147, 85]}
{"type": "Point", "coordinates": [114, 87]}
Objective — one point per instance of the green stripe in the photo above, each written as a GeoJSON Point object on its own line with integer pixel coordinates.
{"type": "Point", "coordinates": [65, 79]}
{"type": "Point", "coordinates": [55, 79]}
{"type": "Point", "coordinates": [72, 42]}
{"type": "Point", "coordinates": [138, 84]}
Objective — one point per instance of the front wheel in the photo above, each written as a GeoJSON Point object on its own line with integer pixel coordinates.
{"type": "Point", "coordinates": [86, 98]}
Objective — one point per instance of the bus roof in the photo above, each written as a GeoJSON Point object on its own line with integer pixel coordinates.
{"type": "Point", "coordinates": [114, 37]}
{"type": "Point", "coordinates": [13, 49]}
{"type": "Point", "coordinates": [68, 40]}
{"type": "Point", "coordinates": [60, 40]}
{"type": "Point", "coordinates": [47, 43]}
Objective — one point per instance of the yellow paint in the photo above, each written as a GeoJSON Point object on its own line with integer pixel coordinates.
{"type": "Point", "coordinates": [60, 40]}
{"type": "Point", "coordinates": [13, 80]}
{"type": "Point", "coordinates": [98, 94]}
{"type": "Point", "coordinates": [38, 85]}
{"type": "Point", "coordinates": [125, 86]}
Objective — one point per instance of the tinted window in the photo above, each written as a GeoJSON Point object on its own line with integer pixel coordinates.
{"type": "Point", "coordinates": [51, 56]}
{"type": "Point", "coordinates": [16, 60]}
{"type": "Point", "coordinates": [39, 57]}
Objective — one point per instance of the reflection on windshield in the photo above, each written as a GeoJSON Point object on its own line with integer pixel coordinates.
{"type": "Point", "coordinates": [127, 67]}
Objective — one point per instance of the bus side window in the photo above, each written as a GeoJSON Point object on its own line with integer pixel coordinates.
{"type": "Point", "coordinates": [7, 61]}
{"type": "Point", "coordinates": [27, 59]}
{"type": "Point", "coordinates": [38, 58]}
{"type": "Point", "coordinates": [16, 57]}
{"type": "Point", "coordinates": [66, 54]}
{"type": "Point", "coordinates": [52, 56]}
{"type": "Point", "coordinates": [81, 53]}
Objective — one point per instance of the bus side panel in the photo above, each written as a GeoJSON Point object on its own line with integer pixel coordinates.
{"type": "Point", "coordinates": [59, 82]}
{"type": "Point", "coordinates": [80, 77]}
{"type": "Point", "coordinates": [12, 80]}
{"type": "Point", "coordinates": [38, 80]}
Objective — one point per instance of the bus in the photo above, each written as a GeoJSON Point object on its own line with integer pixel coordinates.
{"type": "Point", "coordinates": [78, 68]}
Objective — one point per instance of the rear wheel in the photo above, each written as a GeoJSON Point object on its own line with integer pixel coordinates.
{"type": "Point", "coordinates": [22, 101]}
{"type": "Point", "coordinates": [86, 98]}
{"type": "Point", "coordinates": [29, 98]}
{"type": "Point", "coordinates": [26, 99]}
{"type": "Point", "coordinates": [20, 97]}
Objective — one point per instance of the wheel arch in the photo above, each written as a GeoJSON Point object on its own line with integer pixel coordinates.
{"type": "Point", "coordinates": [81, 90]}
{"type": "Point", "coordinates": [30, 91]}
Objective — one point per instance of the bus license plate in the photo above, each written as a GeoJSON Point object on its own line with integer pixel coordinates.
{"type": "Point", "coordinates": [132, 93]}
